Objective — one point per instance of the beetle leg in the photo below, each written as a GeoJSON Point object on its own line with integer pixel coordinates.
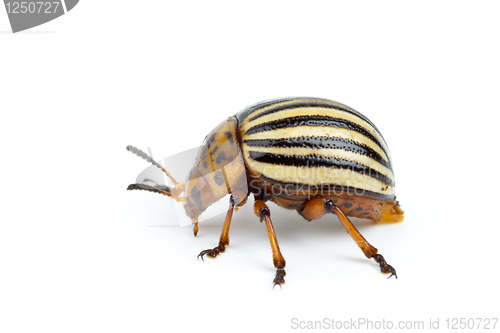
{"type": "Point", "coordinates": [224, 237]}
{"type": "Point", "coordinates": [367, 248]}
{"type": "Point", "coordinates": [262, 211]}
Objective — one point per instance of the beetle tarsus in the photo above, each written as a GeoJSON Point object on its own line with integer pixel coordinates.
{"type": "Point", "coordinates": [280, 277]}
{"type": "Point", "coordinates": [212, 253]}
{"type": "Point", "coordinates": [384, 266]}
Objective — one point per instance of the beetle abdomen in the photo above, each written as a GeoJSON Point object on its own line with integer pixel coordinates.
{"type": "Point", "coordinates": [303, 145]}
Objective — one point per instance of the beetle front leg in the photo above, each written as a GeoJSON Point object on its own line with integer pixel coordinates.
{"type": "Point", "coordinates": [369, 251]}
{"type": "Point", "coordinates": [262, 211]}
{"type": "Point", "coordinates": [224, 237]}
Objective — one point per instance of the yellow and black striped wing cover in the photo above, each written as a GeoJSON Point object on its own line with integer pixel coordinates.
{"type": "Point", "coordinates": [312, 144]}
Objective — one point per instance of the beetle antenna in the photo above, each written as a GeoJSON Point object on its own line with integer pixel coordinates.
{"type": "Point", "coordinates": [148, 158]}
{"type": "Point", "coordinates": [144, 187]}
{"type": "Point", "coordinates": [165, 190]}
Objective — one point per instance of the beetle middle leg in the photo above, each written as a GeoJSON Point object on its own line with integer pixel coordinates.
{"type": "Point", "coordinates": [224, 237]}
{"type": "Point", "coordinates": [369, 251]}
{"type": "Point", "coordinates": [262, 211]}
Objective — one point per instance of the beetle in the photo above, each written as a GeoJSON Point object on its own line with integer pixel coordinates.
{"type": "Point", "coordinates": [312, 155]}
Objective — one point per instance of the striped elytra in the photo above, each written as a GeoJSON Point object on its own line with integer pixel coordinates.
{"type": "Point", "coordinates": [304, 146]}
{"type": "Point", "coordinates": [312, 155]}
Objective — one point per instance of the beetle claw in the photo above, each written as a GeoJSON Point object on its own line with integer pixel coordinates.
{"type": "Point", "coordinates": [280, 277]}
{"type": "Point", "coordinates": [212, 253]}
{"type": "Point", "coordinates": [390, 269]}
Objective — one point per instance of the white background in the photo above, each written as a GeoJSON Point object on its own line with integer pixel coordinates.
{"type": "Point", "coordinates": [79, 253]}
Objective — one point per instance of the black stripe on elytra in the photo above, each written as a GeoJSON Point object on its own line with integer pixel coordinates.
{"type": "Point", "coordinates": [315, 120]}
{"type": "Point", "coordinates": [323, 189]}
{"type": "Point", "coordinates": [320, 142]}
{"type": "Point", "coordinates": [314, 160]}
{"type": "Point", "coordinates": [251, 109]}
{"type": "Point", "coordinates": [297, 105]}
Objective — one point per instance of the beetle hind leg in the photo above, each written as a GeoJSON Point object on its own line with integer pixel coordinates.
{"type": "Point", "coordinates": [224, 237]}
{"type": "Point", "coordinates": [369, 251]}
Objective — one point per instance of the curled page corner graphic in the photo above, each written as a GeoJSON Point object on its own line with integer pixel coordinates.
{"type": "Point", "coordinates": [25, 15]}
{"type": "Point", "coordinates": [70, 4]}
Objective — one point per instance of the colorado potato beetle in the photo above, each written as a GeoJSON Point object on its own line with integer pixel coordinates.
{"type": "Point", "coordinates": [312, 155]}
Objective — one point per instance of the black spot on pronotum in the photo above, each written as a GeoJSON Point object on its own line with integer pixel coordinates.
{"type": "Point", "coordinates": [359, 209]}
{"type": "Point", "coordinates": [195, 196]}
{"type": "Point", "coordinates": [229, 137]}
{"type": "Point", "coordinates": [219, 179]}
{"type": "Point", "coordinates": [347, 204]}
{"type": "Point", "coordinates": [212, 137]}
{"type": "Point", "coordinates": [220, 158]}
{"type": "Point", "coordinates": [205, 147]}
{"type": "Point", "coordinates": [215, 149]}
